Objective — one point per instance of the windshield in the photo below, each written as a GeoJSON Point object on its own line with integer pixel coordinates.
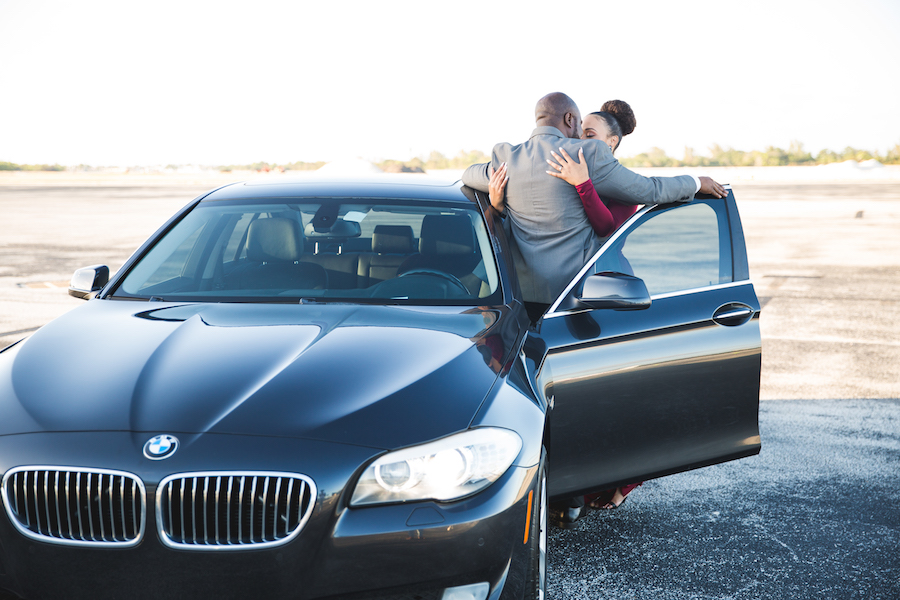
{"type": "Point", "coordinates": [345, 250]}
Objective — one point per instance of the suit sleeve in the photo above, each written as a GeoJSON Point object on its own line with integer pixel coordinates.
{"type": "Point", "coordinates": [476, 177]}
{"type": "Point", "coordinates": [615, 182]}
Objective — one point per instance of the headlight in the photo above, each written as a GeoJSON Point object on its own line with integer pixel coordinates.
{"type": "Point", "coordinates": [447, 469]}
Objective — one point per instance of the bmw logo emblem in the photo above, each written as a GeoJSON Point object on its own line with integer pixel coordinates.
{"type": "Point", "coordinates": [160, 447]}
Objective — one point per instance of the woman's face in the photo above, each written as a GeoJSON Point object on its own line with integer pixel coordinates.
{"type": "Point", "coordinates": [595, 128]}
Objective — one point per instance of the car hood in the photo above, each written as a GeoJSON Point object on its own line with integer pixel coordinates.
{"type": "Point", "coordinates": [379, 376]}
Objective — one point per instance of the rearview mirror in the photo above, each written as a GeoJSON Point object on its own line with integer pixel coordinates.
{"type": "Point", "coordinates": [338, 229]}
{"type": "Point", "coordinates": [88, 281]}
{"type": "Point", "coordinates": [614, 290]}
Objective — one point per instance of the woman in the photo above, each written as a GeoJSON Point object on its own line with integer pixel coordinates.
{"type": "Point", "coordinates": [614, 121]}
{"type": "Point", "coordinates": [609, 125]}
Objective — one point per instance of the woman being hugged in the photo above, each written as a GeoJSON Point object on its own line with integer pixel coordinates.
{"type": "Point", "coordinates": [609, 125]}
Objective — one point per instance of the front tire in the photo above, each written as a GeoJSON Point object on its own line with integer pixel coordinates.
{"type": "Point", "coordinates": [536, 584]}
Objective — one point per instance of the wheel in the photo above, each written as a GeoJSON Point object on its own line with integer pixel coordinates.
{"type": "Point", "coordinates": [536, 583]}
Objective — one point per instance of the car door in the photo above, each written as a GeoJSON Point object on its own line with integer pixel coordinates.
{"type": "Point", "coordinates": [637, 394]}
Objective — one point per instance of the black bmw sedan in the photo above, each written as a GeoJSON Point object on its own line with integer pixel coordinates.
{"type": "Point", "coordinates": [331, 389]}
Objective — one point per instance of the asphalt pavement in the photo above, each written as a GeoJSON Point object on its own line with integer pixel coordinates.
{"type": "Point", "coordinates": [815, 516]}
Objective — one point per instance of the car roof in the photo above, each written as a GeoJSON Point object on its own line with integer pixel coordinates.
{"type": "Point", "coordinates": [375, 186]}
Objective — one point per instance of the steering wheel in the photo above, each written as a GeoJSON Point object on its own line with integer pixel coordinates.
{"type": "Point", "coordinates": [435, 273]}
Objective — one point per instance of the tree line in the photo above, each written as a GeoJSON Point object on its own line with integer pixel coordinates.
{"type": "Point", "coordinates": [655, 157]}
{"type": "Point", "coordinates": [770, 157]}
{"type": "Point", "coordinates": [434, 161]}
{"type": "Point", "coordinates": [8, 166]}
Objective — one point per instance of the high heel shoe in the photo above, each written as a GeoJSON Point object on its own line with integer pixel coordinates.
{"type": "Point", "coordinates": [607, 503]}
{"type": "Point", "coordinates": [610, 506]}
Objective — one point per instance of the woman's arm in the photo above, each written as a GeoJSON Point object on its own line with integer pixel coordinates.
{"type": "Point", "coordinates": [597, 213]}
{"type": "Point", "coordinates": [576, 173]}
{"type": "Point", "coordinates": [620, 212]}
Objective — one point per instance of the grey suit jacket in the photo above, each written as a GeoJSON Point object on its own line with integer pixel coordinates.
{"type": "Point", "coordinates": [551, 237]}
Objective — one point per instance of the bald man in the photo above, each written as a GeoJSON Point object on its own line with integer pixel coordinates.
{"type": "Point", "coordinates": [551, 235]}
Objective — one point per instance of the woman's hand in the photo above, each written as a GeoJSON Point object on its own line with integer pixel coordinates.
{"type": "Point", "coordinates": [497, 187]}
{"type": "Point", "coordinates": [569, 170]}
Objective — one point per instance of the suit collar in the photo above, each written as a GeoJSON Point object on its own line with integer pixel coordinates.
{"type": "Point", "coordinates": [546, 130]}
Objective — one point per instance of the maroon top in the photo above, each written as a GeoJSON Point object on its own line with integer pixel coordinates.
{"type": "Point", "coordinates": [604, 219]}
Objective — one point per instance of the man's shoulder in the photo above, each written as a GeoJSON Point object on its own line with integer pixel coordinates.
{"type": "Point", "coordinates": [540, 135]}
{"type": "Point", "coordinates": [589, 145]}
{"type": "Point", "coordinates": [596, 153]}
{"type": "Point", "coordinates": [504, 147]}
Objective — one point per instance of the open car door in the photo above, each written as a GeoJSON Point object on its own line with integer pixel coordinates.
{"type": "Point", "coordinates": [645, 383]}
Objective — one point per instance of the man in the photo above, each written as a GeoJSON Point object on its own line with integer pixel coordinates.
{"type": "Point", "coordinates": [551, 236]}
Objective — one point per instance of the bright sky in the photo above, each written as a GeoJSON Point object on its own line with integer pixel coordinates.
{"type": "Point", "coordinates": [222, 82]}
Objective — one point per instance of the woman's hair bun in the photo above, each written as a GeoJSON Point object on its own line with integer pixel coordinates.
{"type": "Point", "coordinates": [623, 114]}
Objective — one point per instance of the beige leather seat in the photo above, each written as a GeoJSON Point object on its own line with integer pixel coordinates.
{"type": "Point", "coordinates": [274, 248]}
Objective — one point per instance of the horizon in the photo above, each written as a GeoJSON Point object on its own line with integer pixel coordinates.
{"type": "Point", "coordinates": [101, 83]}
{"type": "Point", "coordinates": [425, 158]}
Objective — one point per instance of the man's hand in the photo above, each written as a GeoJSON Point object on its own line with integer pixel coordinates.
{"type": "Point", "coordinates": [497, 187]}
{"type": "Point", "coordinates": [709, 186]}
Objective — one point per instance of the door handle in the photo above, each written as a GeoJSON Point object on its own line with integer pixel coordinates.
{"type": "Point", "coordinates": [733, 314]}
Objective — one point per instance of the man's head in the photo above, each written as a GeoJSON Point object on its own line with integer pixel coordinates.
{"type": "Point", "coordinates": [560, 111]}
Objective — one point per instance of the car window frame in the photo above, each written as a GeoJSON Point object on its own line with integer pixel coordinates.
{"type": "Point", "coordinates": [493, 222]}
{"type": "Point", "coordinates": [738, 275]}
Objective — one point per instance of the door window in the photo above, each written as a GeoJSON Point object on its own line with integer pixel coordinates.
{"type": "Point", "coordinates": [674, 249]}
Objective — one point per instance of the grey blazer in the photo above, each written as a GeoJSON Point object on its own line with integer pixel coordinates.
{"type": "Point", "coordinates": [551, 236]}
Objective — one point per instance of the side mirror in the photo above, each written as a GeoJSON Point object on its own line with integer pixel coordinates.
{"type": "Point", "coordinates": [88, 281]}
{"type": "Point", "coordinates": [614, 290]}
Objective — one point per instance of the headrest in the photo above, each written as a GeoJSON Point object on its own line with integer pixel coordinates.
{"type": "Point", "coordinates": [446, 234]}
{"type": "Point", "coordinates": [392, 239]}
{"type": "Point", "coordinates": [275, 239]}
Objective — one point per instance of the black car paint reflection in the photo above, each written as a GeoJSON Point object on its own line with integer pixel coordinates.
{"type": "Point", "coordinates": [322, 381]}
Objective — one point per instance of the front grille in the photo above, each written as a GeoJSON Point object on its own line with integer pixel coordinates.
{"type": "Point", "coordinates": [231, 511]}
{"type": "Point", "coordinates": [66, 505]}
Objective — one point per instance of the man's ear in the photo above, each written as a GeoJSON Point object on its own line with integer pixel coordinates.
{"type": "Point", "coordinates": [569, 120]}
